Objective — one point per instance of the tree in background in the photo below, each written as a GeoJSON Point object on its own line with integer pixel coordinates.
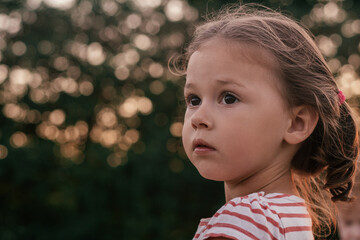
{"type": "Point", "coordinates": [91, 116]}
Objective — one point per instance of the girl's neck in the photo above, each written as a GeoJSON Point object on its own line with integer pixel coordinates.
{"type": "Point", "coordinates": [283, 183]}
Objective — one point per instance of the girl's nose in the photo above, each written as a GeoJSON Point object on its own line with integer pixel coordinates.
{"type": "Point", "coordinates": [201, 118]}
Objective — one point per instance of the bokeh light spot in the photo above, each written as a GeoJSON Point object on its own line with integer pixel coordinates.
{"type": "Point", "coordinates": [18, 139]}
{"type": "Point", "coordinates": [82, 127]}
{"type": "Point", "coordinates": [109, 7]}
{"type": "Point", "coordinates": [3, 72]}
{"type": "Point", "coordinates": [49, 131]}
{"type": "Point", "coordinates": [70, 150]}
{"type": "Point", "coordinates": [60, 4]}
{"type": "Point", "coordinates": [131, 57]}
{"type": "Point", "coordinates": [347, 29]}
{"type": "Point", "coordinates": [38, 96]}
{"type": "Point", "coordinates": [122, 73]}
{"type": "Point", "coordinates": [133, 135]}
{"type": "Point", "coordinates": [95, 133]}
{"type": "Point", "coordinates": [61, 63]}
{"type": "Point", "coordinates": [354, 60]}
{"type": "Point", "coordinates": [146, 4]}
{"type": "Point", "coordinates": [3, 152]}
{"type": "Point", "coordinates": [133, 21]}
{"type": "Point", "coordinates": [142, 42]}
{"type": "Point", "coordinates": [113, 160]}
{"type": "Point", "coordinates": [355, 86]}
{"type": "Point", "coordinates": [176, 129]}
{"type": "Point", "coordinates": [33, 4]}
{"type": "Point", "coordinates": [156, 87]}
{"type": "Point", "coordinates": [57, 117]}
{"type": "Point", "coordinates": [128, 108]}
{"type": "Point", "coordinates": [174, 10]}
{"type": "Point", "coordinates": [18, 48]}
{"type": "Point", "coordinates": [71, 133]}
{"type": "Point", "coordinates": [20, 76]}
{"type": "Point", "coordinates": [86, 88]}
{"type": "Point", "coordinates": [334, 65]}
{"type": "Point", "coordinates": [13, 111]}
{"type": "Point", "coordinates": [95, 54]}
{"type": "Point", "coordinates": [327, 46]}
{"type": "Point", "coordinates": [156, 70]}
{"type": "Point", "coordinates": [107, 118]}
{"type": "Point", "coordinates": [144, 105]}
{"type": "Point", "coordinates": [331, 9]}
{"type": "Point", "coordinates": [109, 137]}
{"type": "Point", "coordinates": [33, 116]}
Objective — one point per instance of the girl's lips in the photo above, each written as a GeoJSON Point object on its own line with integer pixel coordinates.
{"type": "Point", "coordinates": [201, 146]}
{"type": "Point", "coordinates": [203, 150]}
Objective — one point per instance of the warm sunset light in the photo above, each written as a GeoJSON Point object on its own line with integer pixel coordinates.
{"type": "Point", "coordinates": [92, 113]}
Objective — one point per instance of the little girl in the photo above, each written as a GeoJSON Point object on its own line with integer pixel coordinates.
{"type": "Point", "coordinates": [264, 115]}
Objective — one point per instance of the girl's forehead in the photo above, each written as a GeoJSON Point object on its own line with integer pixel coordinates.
{"type": "Point", "coordinates": [223, 52]}
{"type": "Point", "coordinates": [250, 52]}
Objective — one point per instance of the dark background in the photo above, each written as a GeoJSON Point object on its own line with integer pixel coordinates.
{"type": "Point", "coordinates": [90, 144]}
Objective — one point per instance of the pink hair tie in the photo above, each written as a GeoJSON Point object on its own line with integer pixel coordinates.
{"type": "Point", "coordinates": [341, 97]}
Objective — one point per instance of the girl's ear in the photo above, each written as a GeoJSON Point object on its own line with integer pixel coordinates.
{"type": "Point", "coordinates": [302, 123]}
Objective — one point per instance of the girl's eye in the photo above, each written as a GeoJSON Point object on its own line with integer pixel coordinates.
{"type": "Point", "coordinates": [193, 100]}
{"type": "Point", "coordinates": [229, 99]}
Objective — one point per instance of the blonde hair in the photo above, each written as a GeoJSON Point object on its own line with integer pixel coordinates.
{"type": "Point", "coordinates": [326, 160]}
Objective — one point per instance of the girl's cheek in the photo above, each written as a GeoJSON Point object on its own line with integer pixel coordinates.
{"type": "Point", "coordinates": [185, 134]}
{"type": "Point", "coordinates": [187, 119]}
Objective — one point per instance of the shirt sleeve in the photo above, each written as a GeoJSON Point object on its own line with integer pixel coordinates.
{"type": "Point", "coordinates": [245, 218]}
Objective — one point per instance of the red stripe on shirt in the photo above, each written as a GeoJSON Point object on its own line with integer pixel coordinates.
{"type": "Point", "coordinates": [203, 223]}
{"type": "Point", "coordinates": [281, 215]}
{"type": "Point", "coordinates": [250, 220]}
{"type": "Point", "coordinates": [220, 235]}
{"type": "Point", "coordinates": [286, 230]}
{"type": "Point", "coordinates": [298, 229]}
{"type": "Point", "coordinates": [273, 222]}
{"type": "Point", "coordinates": [295, 204]}
{"type": "Point", "coordinates": [248, 205]}
{"type": "Point", "coordinates": [227, 225]}
{"type": "Point", "coordinates": [256, 210]}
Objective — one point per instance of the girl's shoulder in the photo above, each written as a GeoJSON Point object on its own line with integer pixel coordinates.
{"type": "Point", "coordinates": [259, 216]}
{"type": "Point", "coordinates": [273, 199]}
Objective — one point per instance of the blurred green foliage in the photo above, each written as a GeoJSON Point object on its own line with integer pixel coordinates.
{"type": "Point", "coordinates": [90, 116]}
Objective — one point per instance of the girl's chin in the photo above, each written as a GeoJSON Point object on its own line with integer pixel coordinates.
{"type": "Point", "coordinates": [214, 176]}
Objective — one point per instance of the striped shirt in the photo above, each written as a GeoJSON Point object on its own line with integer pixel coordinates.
{"type": "Point", "coordinates": [259, 216]}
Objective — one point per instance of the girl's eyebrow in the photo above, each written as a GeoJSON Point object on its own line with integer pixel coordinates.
{"type": "Point", "coordinates": [229, 82]}
{"type": "Point", "coordinates": [218, 82]}
{"type": "Point", "coordinates": [189, 85]}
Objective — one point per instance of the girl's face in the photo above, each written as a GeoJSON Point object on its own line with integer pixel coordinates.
{"type": "Point", "coordinates": [235, 118]}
